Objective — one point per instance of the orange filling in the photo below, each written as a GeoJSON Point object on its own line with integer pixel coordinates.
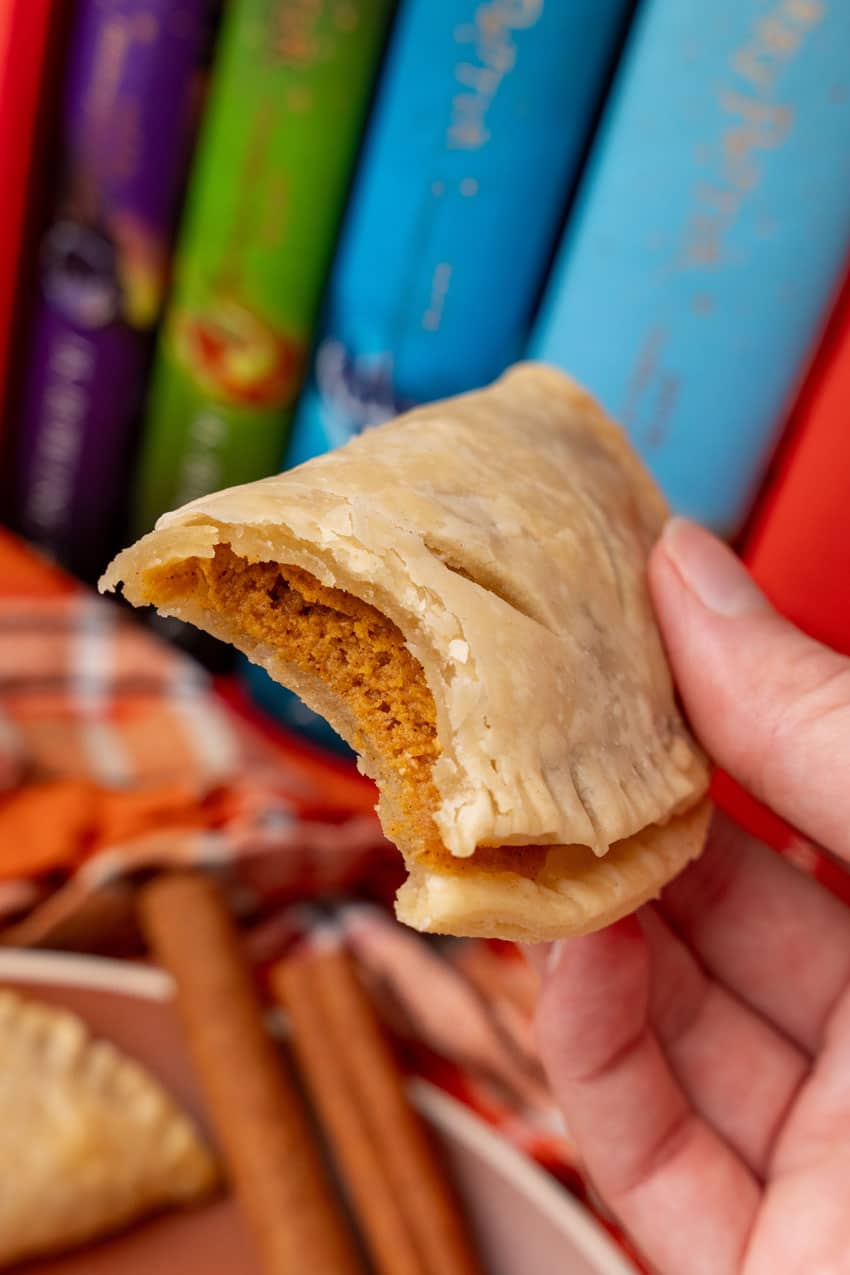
{"type": "Point", "coordinates": [360, 655]}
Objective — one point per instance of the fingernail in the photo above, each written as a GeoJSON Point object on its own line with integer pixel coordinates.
{"type": "Point", "coordinates": [711, 570]}
{"type": "Point", "coordinates": [554, 955]}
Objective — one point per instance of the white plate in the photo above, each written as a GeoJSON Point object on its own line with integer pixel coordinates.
{"type": "Point", "coordinates": [525, 1223]}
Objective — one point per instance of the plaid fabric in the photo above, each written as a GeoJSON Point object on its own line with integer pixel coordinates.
{"type": "Point", "coordinates": [117, 757]}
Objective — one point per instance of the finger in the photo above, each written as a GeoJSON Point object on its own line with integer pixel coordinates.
{"type": "Point", "coordinates": [809, 1169]}
{"type": "Point", "coordinates": [539, 955]}
{"type": "Point", "coordinates": [771, 705]}
{"type": "Point", "coordinates": [771, 934]}
{"type": "Point", "coordinates": [686, 1197]}
{"type": "Point", "coordinates": [715, 1045]}
{"type": "Point", "coordinates": [822, 1110]}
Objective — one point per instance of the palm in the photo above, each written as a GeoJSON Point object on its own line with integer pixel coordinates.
{"type": "Point", "coordinates": [704, 1063]}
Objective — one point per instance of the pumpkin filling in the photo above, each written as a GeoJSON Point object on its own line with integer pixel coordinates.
{"type": "Point", "coordinates": [360, 655]}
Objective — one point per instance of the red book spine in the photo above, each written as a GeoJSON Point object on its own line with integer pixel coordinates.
{"type": "Point", "coordinates": [798, 547]}
{"type": "Point", "coordinates": [26, 27]}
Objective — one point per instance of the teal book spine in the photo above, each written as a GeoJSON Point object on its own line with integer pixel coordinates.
{"type": "Point", "coordinates": [479, 128]}
{"type": "Point", "coordinates": [480, 124]}
{"type": "Point", "coordinates": [709, 238]}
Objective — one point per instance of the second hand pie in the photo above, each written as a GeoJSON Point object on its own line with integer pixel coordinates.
{"type": "Point", "coordinates": [462, 593]}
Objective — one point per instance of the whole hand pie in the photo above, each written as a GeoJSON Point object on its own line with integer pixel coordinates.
{"type": "Point", "coordinates": [462, 593]}
{"type": "Point", "coordinates": [88, 1139]}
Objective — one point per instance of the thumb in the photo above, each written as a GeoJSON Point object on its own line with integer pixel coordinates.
{"type": "Point", "coordinates": [770, 705]}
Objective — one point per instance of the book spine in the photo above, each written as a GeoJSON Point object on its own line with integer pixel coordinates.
{"type": "Point", "coordinates": [129, 102]}
{"type": "Point", "coordinates": [481, 121]}
{"type": "Point", "coordinates": [708, 237]}
{"type": "Point", "coordinates": [474, 144]}
{"type": "Point", "coordinates": [798, 545]}
{"type": "Point", "coordinates": [26, 28]}
{"type": "Point", "coordinates": [289, 95]}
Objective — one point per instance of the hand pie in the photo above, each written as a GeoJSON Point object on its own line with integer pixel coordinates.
{"type": "Point", "coordinates": [88, 1140]}
{"type": "Point", "coordinates": [462, 593]}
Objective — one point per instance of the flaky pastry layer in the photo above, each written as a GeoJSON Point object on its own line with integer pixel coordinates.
{"type": "Point", "coordinates": [462, 594]}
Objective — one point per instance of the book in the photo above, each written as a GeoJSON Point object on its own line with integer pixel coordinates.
{"type": "Point", "coordinates": [27, 29]}
{"type": "Point", "coordinates": [798, 543]}
{"type": "Point", "coordinates": [479, 127]}
{"type": "Point", "coordinates": [797, 546]}
{"type": "Point", "coordinates": [129, 100]}
{"type": "Point", "coordinates": [708, 238]}
{"type": "Point", "coordinates": [289, 94]}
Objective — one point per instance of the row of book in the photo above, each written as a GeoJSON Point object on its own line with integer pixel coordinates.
{"type": "Point", "coordinates": [275, 229]}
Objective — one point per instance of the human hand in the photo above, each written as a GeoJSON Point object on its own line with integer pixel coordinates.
{"type": "Point", "coordinates": [701, 1050]}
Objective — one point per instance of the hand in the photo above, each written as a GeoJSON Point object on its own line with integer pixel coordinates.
{"type": "Point", "coordinates": [701, 1050]}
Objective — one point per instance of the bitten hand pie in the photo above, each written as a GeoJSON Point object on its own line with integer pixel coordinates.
{"type": "Point", "coordinates": [88, 1139]}
{"type": "Point", "coordinates": [462, 593]}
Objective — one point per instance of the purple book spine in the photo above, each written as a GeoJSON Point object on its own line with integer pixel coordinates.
{"type": "Point", "coordinates": [131, 91]}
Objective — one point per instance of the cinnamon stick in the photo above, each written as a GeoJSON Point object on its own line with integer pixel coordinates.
{"type": "Point", "coordinates": [382, 1220]}
{"type": "Point", "coordinates": [396, 1183]}
{"type": "Point", "coordinates": [257, 1114]}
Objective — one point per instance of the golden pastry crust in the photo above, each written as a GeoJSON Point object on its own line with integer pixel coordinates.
{"type": "Point", "coordinates": [491, 551]}
{"type": "Point", "coordinates": [89, 1141]}
{"type": "Point", "coordinates": [570, 892]}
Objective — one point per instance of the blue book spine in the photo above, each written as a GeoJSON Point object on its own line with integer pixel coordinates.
{"type": "Point", "coordinates": [480, 124]}
{"type": "Point", "coordinates": [708, 237]}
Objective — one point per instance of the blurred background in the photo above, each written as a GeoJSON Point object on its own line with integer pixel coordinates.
{"type": "Point", "coordinates": [236, 234]}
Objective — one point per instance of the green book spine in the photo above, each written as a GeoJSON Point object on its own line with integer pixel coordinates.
{"type": "Point", "coordinates": [290, 89]}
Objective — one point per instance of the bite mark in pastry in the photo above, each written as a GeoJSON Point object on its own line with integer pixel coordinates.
{"type": "Point", "coordinates": [89, 1141]}
{"type": "Point", "coordinates": [462, 593]}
